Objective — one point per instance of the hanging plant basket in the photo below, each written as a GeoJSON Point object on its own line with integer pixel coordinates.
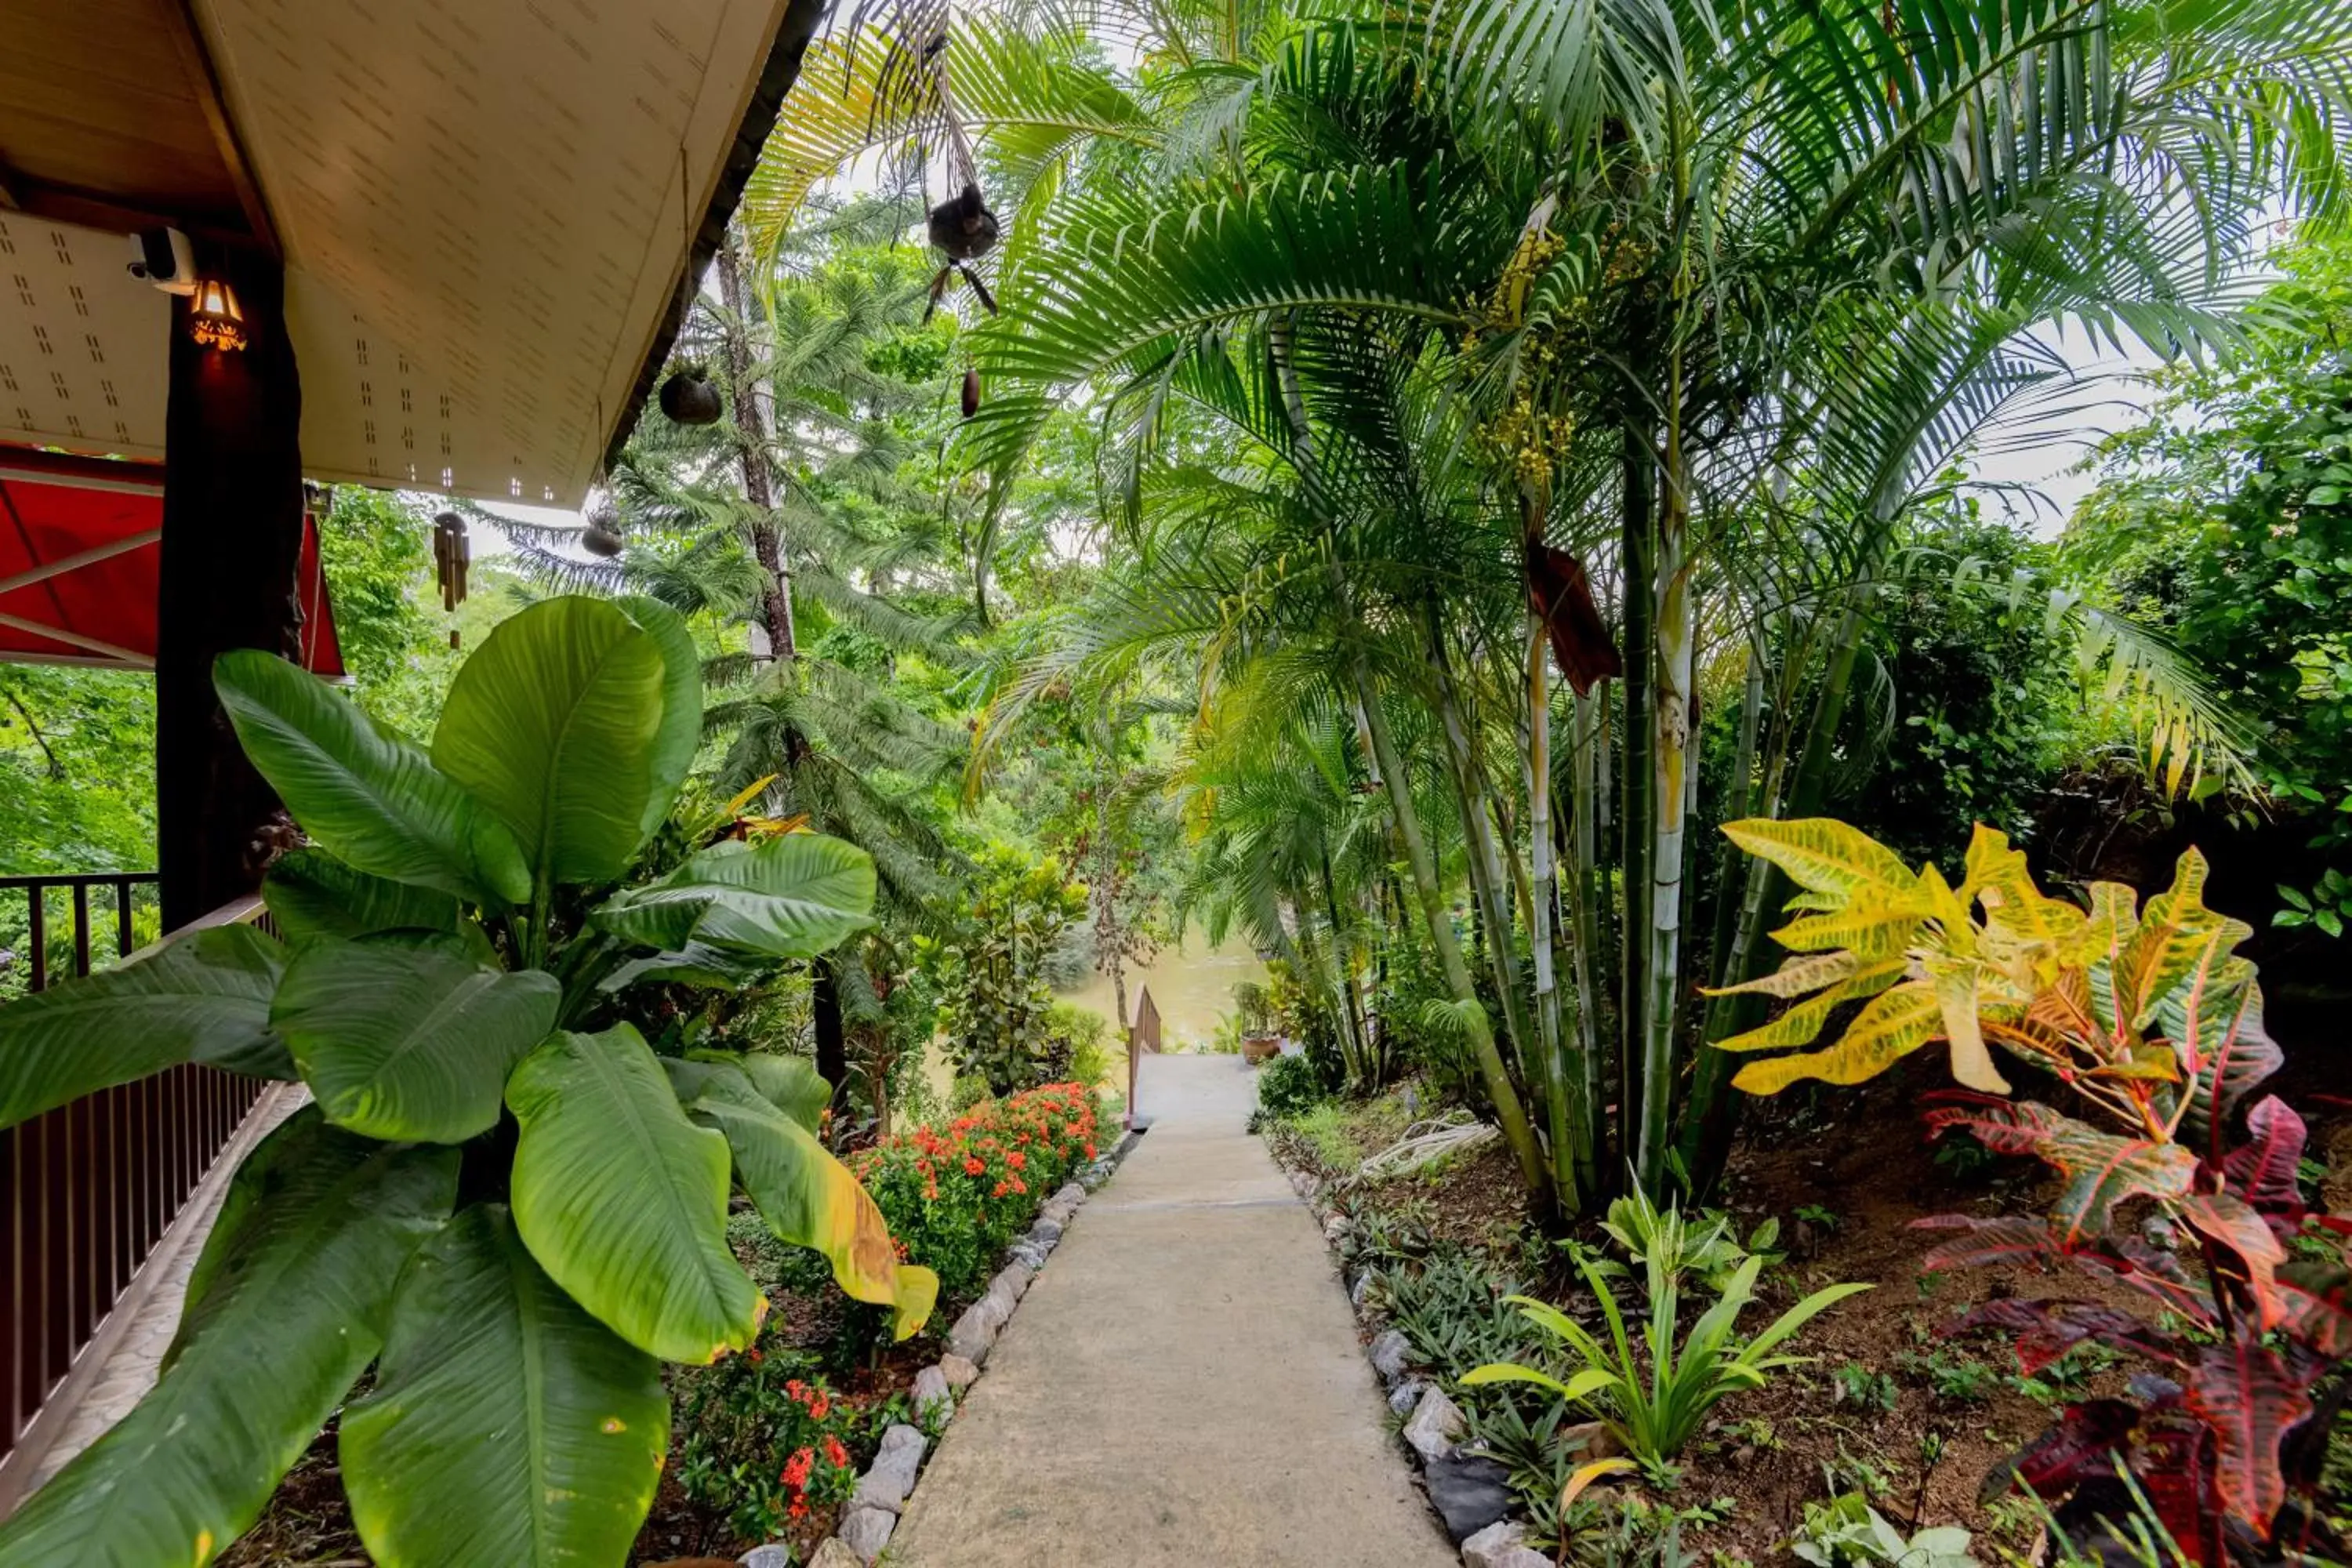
{"type": "Point", "coordinates": [689, 397]}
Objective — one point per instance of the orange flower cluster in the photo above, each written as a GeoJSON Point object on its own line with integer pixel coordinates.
{"type": "Point", "coordinates": [955, 1196]}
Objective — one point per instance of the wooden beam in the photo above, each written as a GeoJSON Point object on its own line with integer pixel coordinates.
{"type": "Point", "coordinates": [205, 82]}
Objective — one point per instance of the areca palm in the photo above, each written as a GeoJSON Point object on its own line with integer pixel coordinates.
{"type": "Point", "coordinates": [1709, 293]}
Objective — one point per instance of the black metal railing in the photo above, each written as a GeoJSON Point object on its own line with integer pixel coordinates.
{"type": "Point", "coordinates": [91, 1188]}
{"type": "Point", "coordinates": [116, 892]}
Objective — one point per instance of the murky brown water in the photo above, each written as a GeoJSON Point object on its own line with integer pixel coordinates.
{"type": "Point", "coordinates": [1194, 989]}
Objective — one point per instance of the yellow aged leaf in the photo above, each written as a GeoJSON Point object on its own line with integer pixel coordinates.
{"type": "Point", "coordinates": [1822, 855]}
{"type": "Point", "coordinates": [1956, 1001]}
{"type": "Point", "coordinates": [1995, 873]}
{"type": "Point", "coordinates": [1797, 976]}
{"type": "Point", "coordinates": [1898, 1023]}
{"type": "Point", "coordinates": [1799, 1024]}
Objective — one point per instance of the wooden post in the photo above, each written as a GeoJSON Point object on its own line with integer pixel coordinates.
{"type": "Point", "coordinates": [231, 553]}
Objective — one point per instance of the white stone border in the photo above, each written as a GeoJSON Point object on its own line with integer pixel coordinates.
{"type": "Point", "coordinates": [872, 1512]}
{"type": "Point", "coordinates": [1432, 1422]}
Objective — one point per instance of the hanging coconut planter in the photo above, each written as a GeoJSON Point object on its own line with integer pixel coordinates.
{"type": "Point", "coordinates": [963, 228]}
{"type": "Point", "coordinates": [688, 396]}
{"type": "Point", "coordinates": [971, 391]}
{"type": "Point", "coordinates": [603, 535]}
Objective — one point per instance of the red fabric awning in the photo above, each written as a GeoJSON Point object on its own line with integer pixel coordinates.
{"type": "Point", "coordinates": [80, 565]}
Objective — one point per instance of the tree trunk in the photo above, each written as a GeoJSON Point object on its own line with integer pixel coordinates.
{"type": "Point", "coordinates": [1637, 562]}
{"type": "Point", "coordinates": [825, 1011]}
{"type": "Point", "coordinates": [1487, 875]}
{"type": "Point", "coordinates": [1712, 1116]}
{"type": "Point", "coordinates": [758, 480]}
{"type": "Point", "coordinates": [1509, 1112]}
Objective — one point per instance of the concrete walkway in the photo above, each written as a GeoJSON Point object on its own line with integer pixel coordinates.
{"type": "Point", "coordinates": [1183, 1384]}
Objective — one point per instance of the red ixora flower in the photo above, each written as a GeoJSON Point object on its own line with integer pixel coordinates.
{"type": "Point", "coordinates": [973, 1167]}
{"type": "Point", "coordinates": [835, 1454]}
{"type": "Point", "coordinates": [1017, 1159]}
{"type": "Point", "coordinates": [796, 1469]}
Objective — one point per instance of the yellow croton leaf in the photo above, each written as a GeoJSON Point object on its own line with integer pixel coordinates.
{"type": "Point", "coordinates": [1799, 1024]}
{"type": "Point", "coordinates": [1893, 1025]}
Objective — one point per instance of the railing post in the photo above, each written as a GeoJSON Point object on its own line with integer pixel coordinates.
{"type": "Point", "coordinates": [82, 926]}
{"type": "Point", "coordinates": [122, 938]}
{"type": "Point", "coordinates": [38, 937]}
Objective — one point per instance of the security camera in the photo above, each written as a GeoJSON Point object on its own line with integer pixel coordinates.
{"type": "Point", "coordinates": [161, 256]}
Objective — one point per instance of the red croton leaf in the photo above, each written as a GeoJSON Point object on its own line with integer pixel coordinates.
{"type": "Point", "coordinates": [2174, 1463]}
{"type": "Point", "coordinates": [2240, 1231]}
{"type": "Point", "coordinates": [2244, 1393]}
{"type": "Point", "coordinates": [2102, 1169]}
{"type": "Point", "coordinates": [2261, 1171]}
{"type": "Point", "coordinates": [2316, 1307]}
{"type": "Point", "coordinates": [2084, 1443]}
{"type": "Point", "coordinates": [2010, 1238]}
{"type": "Point", "coordinates": [2155, 1274]}
{"type": "Point", "coordinates": [2047, 1329]}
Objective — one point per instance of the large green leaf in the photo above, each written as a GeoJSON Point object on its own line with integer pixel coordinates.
{"type": "Point", "coordinates": [364, 793]}
{"type": "Point", "coordinates": [508, 1428]}
{"type": "Point", "coordinates": [288, 1307]}
{"type": "Point", "coordinates": [680, 735]}
{"type": "Point", "coordinates": [623, 1201]}
{"type": "Point", "coordinates": [554, 723]}
{"type": "Point", "coordinates": [409, 1043]}
{"type": "Point", "coordinates": [795, 896]}
{"type": "Point", "coordinates": [311, 894]}
{"type": "Point", "coordinates": [807, 1197]}
{"type": "Point", "coordinates": [203, 998]}
{"type": "Point", "coordinates": [792, 1084]}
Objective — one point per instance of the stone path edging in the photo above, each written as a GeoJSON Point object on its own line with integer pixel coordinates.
{"type": "Point", "coordinates": [1469, 1491]}
{"type": "Point", "coordinates": [883, 1491]}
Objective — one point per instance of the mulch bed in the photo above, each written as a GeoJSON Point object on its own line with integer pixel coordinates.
{"type": "Point", "coordinates": [1860, 1155]}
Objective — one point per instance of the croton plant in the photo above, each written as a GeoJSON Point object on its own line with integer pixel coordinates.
{"type": "Point", "coordinates": [2177, 1183]}
{"type": "Point", "coordinates": [499, 1195]}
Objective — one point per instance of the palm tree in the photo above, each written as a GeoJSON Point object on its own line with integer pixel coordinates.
{"type": "Point", "coordinates": [1704, 296]}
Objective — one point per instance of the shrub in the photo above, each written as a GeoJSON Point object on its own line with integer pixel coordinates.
{"type": "Point", "coordinates": [1289, 1086]}
{"type": "Point", "coordinates": [996, 1001]}
{"type": "Point", "coordinates": [956, 1198]}
{"type": "Point", "coordinates": [1654, 1402]}
{"type": "Point", "coordinates": [1081, 1038]}
{"type": "Point", "coordinates": [2154, 1024]}
{"type": "Point", "coordinates": [762, 1441]}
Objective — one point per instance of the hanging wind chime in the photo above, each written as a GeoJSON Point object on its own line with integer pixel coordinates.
{"type": "Point", "coordinates": [452, 553]}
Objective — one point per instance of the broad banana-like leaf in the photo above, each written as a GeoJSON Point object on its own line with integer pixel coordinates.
{"type": "Point", "coordinates": [409, 1043]}
{"type": "Point", "coordinates": [554, 723]}
{"type": "Point", "coordinates": [507, 1428]}
{"type": "Point", "coordinates": [791, 1084]}
{"type": "Point", "coordinates": [808, 1197]}
{"type": "Point", "coordinates": [312, 895]}
{"type": "Point", "coordinates": [680, 735]}
{"type": "Point", "coordinates": [697, 964]}
{"type": "Point", "coordinates": [203, 998]}
{"type": "Point", "coordinates": [287, 1308]}
{"type": "Point", "coordinates": [364, 793]}
{"type": "Point", "coordinates": [623, 1201]}
{"type": "Point", "coordinates": [795, 896]}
